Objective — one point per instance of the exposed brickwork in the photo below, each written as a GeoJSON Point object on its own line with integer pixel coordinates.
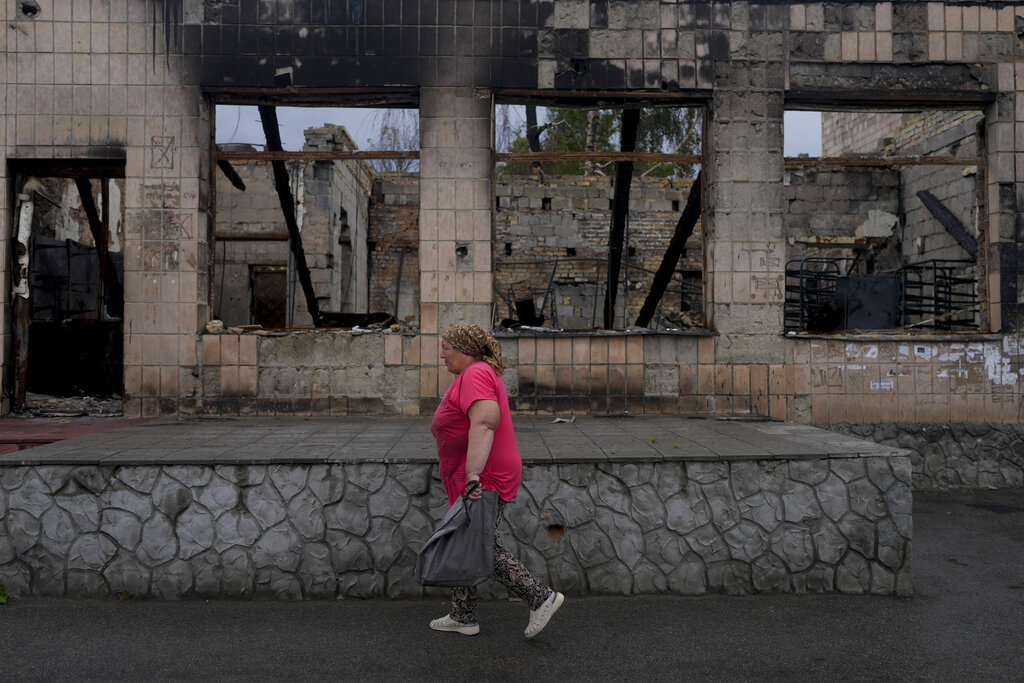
{"type": "Point", "coordinates": [394, 254]}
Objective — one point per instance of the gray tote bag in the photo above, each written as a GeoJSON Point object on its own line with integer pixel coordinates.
{"type": "Point", "coordinates": [460, 552]}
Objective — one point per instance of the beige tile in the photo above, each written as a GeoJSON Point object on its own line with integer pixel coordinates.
{"type": "Point", "coordinates": [428, 318]}
{"type": "Point", "coordinates": [580, 350]}
{"type": "Point", "coordinates": [411, 352]}
{"type": "Point", "coordinates": [706, 350]}
{"type": "Point", "coordinates": [954, 18]}
{"type": "Point", "coordinates": [229, 349]}
{"type": "Point", "coordinates": [483, 286]}
{"type": "Point", "coordinates": [563, 351]}
{"type": "Point", "coordinates": [883, 46]}
{"type": "Point", "coordinates": [150, 381]}
{"type": "Point", "coordinates": [392, 349]}
{"type": "Point", "coordinates": [936, 16]}
{"type": "Point", "coordinates": [545, 351]}
{"type": "Point", "coordinates": [527, 351]}
{"type": "Point", "coordinates": [229, 380]}
{"type": "Point", "coordinates": [169, 380]}
{"type": "Point", "coordinates": [211, 349]}
{"type": "Point", "coordinates": [849, 46]}
{"type": "Point", "coordinates": [866, 46]}
{"type": "Point", "coordinates": [634, 349]}
{"type": "Point", "coordinates": [971, 19]}
{"type": "Point", "coordinates": [883, 16]}
{"type": "Point", "coordinates": [617, 350]}
{"type": "Point", "coordinates": [954, 46]}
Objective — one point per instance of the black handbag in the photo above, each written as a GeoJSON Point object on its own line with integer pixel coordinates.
{"type": "Point", "coordinates": [460, 552]}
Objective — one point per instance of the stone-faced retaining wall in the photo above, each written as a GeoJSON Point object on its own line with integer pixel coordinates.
{"type": "Point", "coordinates": [337, 530]}
{"type": "Point", "coordinates": [952, 456]}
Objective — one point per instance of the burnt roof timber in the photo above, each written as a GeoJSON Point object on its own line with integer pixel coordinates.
{"type": "Point", "coordinates": [70, 168]}
{"type": "Point", "coordinates": [840, 162]}
{"type": "Point", "coordinates": [317, 97]}
{"type": "Point", "coordinates": [890, 100]}
{"type": "Point", "coordinates": [219, 155]}
{"type": "Point", "coordinates": [600, 156]}
{"type": "Point", "coordinates": [605, 99]}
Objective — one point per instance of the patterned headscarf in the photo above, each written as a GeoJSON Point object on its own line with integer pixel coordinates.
{"type": "Point", "coordinates": [475, 341]}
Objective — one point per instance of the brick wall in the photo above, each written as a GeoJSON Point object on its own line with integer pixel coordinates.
{"type": "Point", "coordinates": [567, 219]}
{"type": "Point", "coordinates": [394, 241]}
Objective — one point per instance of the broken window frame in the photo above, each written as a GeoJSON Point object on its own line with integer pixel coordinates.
{"type": "Point", "coordinates": [901, 103]}
{"type": "Point", "coordinates": [616, 100]}
{"type": "Point", "coordinates": [403, 98]}
{"type": "Point", "coordinates": [81, 171]}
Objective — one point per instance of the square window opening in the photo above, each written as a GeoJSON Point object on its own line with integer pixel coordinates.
{"type": "Point", "coordinates": [599, 214]}
{"type": "Point", "coordinates": [885, 220]}
{"type": "Point", "coordinates": [317, 211]}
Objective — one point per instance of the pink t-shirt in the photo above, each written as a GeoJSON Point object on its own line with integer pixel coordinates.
{"type": "Point", "coordinates": [450, 426]}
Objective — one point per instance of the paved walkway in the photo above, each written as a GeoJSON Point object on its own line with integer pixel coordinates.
{"type": "Point", "coordinates": [404, 439]}
{"type": "Point", "coordinates": [19, 433]}
{"type": "Point", "coordinates": [963, 624]}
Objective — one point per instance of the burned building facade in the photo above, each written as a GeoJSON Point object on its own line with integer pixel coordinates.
{"type": "Point", "coordinates": [116, 104]}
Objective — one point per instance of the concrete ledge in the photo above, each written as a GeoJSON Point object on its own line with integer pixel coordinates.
{"type": "Point", "coordinates": [386, 440]}
{"type": "Point", "coordinates": [833, 522]}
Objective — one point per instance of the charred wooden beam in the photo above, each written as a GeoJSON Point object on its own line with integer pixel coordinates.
{"type": "Point", "coordinates": [600, 156]}
{"type": "Point", "coordinates": [281, 155]}
{"type": "Point", "coordinates": [620, 205]}
{"type": "Point", "coordinates": [268, 117]}
{"type": "Point", "coordinates": [251, 236]}
{"type": "Point", "coordinates": [832, 163]}
{"type": "Point", "coordinates": [99, 236]}
{"type": "Point", "coordinates": [684, 229]}
{"type": "Point", "coordinates": [950, 222]}
{"type": "Point", "coordinates": [229, 171]}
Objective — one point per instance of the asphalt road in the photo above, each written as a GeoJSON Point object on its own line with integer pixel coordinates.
{"type": "Point", "coordinates": [965, 623]}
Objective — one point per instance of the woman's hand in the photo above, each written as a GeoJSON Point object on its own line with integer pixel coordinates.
{"type": "Point", "coordinates": [474, 492]}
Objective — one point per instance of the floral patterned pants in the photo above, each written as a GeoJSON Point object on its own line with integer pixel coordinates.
{"type": "Point", "coordinates": [510, 571]}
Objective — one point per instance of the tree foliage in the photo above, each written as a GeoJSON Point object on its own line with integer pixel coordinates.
{"type": "Point", "coordinates": [399, 132]}
{"type": "Point", "coordinates": [567, 129]}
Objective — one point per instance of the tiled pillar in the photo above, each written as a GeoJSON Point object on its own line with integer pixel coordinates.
{"type": "Point", "coordinates": [5, 218]}
{"type": "Point", "coordinates": [455, 220]}
{"type": "Point", "coordinates": [744, 198]}
{"type": "Point", "coordinates": [166, 283]}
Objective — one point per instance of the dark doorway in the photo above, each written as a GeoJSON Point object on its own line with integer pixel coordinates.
{"type": "Point", "coordinates": [68, 284]}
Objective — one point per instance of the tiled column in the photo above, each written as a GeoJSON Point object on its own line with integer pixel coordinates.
{"type": "Point", "coordinates": [5, 218]}
{"type": "Point", "coordinates": [745, 226]}
{"type": "Point", "coordinates": [165, 231]}
{"type": "Point", "coordinates": [455, 220]}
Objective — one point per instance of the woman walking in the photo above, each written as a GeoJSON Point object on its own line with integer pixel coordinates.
{"type": "Point", "coordinates": [476, 442]}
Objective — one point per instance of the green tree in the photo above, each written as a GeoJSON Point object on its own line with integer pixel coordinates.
{"type": "Point", "coordinates": [572, 129]}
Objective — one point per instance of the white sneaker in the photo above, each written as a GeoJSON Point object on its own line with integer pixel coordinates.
{"type": "Point", "coordinates": [540, 616]}
{"type": "Point", "coordinates": [446, 623]}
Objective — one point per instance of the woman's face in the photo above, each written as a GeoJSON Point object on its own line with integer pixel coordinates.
{"type": "Point", "coordinates": [456, 361]}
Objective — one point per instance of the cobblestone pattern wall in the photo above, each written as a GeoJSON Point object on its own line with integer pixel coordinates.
{"type": "Point", "coordinates": [953, 456]}
{"type": "Point", "coordinates": [353, 530]}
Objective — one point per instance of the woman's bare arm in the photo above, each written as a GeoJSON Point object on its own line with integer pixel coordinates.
{"type": "Point", "coordinates": [483, 420]}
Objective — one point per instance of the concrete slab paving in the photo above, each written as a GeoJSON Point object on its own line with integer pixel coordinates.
{"type": "Point", "coordinates": [408, 439]}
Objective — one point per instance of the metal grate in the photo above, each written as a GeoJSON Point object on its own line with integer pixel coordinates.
{"type": "Point", "coordinates": [815, 292]}
{"type": "Point", "coordinates": [939, 294]}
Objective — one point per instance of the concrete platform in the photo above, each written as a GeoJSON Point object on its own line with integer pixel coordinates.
{"type": "Point", "coordinates": [292, 440]}
{"type": "Point", "coordinates": [317, 508]}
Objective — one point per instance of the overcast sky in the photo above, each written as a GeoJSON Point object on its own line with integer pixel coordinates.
{"type": "Point", "coordinates": [802, 130]}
